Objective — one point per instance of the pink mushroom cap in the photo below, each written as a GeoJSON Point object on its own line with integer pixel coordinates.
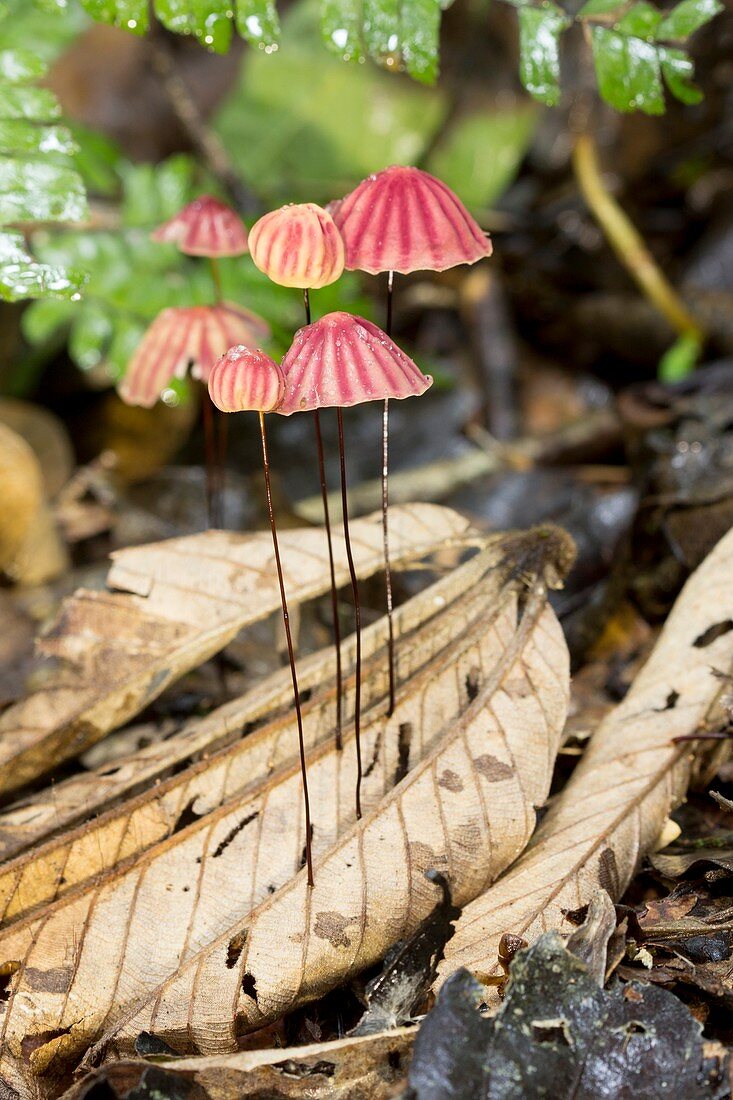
{"type": "Point", "coordinates": [298, 246]}
{"type": "Point", "coordinates": [344, 360]}
{"type": "Point", "coordinates": [244, 380]}
{"type": "Point", "coordinates": [403, 219]}
{"type": "Point", "coordinates": [182, 338]}
{"type": "Point", "coordinates": [205, 227]}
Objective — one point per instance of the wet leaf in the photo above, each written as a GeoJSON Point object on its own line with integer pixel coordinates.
{"type": "Point", "coordinates": [38, 182]}
{"type": "Point", "coordinates": [539, 46]}
{"type": "Point", "coordinates": [687, 17]}
{"type": "Point", "coordinates": [558, 1034]}
{"type": "Point", "coordinates": [614, 806]}
{"type": "Point", "coordinates": [678, 70]}
{"type": "Point", "coordinates": [220, 862]}
{"type": "Point", "coordinates": [628, 71]}
{"type": "Point", "coordinates": [366, 1068]}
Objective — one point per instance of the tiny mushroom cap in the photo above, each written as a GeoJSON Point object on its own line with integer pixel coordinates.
{"type": "Point", "coordinates": [298, 246]}
{"type": "Point", "coordinates": [205, 227]}
{"type": "Point", "coordinates": [403, 219]}
{"type": "Point", "coordinates": [343, 360]}
{"type": "Point", "coordinates": [183, 337]}
{"type": "Point", "coordinates": [244, 380]}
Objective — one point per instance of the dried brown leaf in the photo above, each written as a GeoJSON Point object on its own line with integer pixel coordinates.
{"type": "Point", "coordinates": [613, 808]}
{"type": "Point", "coordinates": [182, 600]}
{"type": "Point", "coordinates": [91, 954]}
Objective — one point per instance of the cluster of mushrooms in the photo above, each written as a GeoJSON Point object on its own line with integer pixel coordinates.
{"type": "Point", "coordinates": [398, 220]}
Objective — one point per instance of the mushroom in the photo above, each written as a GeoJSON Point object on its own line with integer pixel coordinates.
{"type": "Point", "coordinates": [299, 246]}
{"type": "Point", "coordinates": [208, 227]}
{"type": "Point", "coordinates": [339, 361]}
{"type": "Point", "coordinates": [403, 219]}
{"type": "Point", "coordinates": [243, 380]}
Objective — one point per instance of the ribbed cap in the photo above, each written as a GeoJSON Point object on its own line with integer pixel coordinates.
{"type": "Point", "coordinates": [186, 337]}
{"type": "Point", "coordinates": [245, 379]}
{"type": "Point", "coordinates": [298, 246]}
{"type": "Point", "coordinates": [403, 219]}
{"type": "Point", "coordinates": [205, 227]}
{"type": "Point", "coordinates": [343, 360]}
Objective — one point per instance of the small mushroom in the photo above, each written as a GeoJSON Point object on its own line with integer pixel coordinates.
{"type": "Point", "coordinates": [244, 380]}
{"type": "Point", "coordinates": [339, 361]}
{"type": "Point", "coordinates": [299, 246]}
{"type": "Point", "coordinates": [208, 227]}
{"type": "Point", "coordinates": [403, 219]}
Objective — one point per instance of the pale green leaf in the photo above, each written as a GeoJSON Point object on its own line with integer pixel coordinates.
{"type": "Point", "coordinates": [17, 137]}
{"type": "Point", "coordinates": [483, 151]}
{"type": "Point", "coordinates": [420, 36]}
{"type": "Point", "coordinates": [209, 20]}
{"type": "Point", "coordinates": [130, 14]}
{"type": "Point", "coordinates": [595, 9]}
{"type": "Point", "coordinates": [341, 28]}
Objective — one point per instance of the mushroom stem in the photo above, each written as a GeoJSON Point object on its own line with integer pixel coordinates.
{"type": "Point", "coordinates": [219, 424]}
{"type": "Point", "coordinates": [329, 540]}
{"type": "Point", "coordinates": [210, 458]}
{"type": "Point", "coordinates": [291, 654]}
{"type": "Point", "coordinates": [385, 515]}
{"type": "Point", "coordinates": [357, 608]}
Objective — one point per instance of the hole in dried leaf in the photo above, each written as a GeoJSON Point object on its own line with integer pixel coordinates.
{"type": "Point", "coordinates": [551, 1031]}
{"type": "Point", "coordinates": [403, 751]}
{"type": "Point", "coordinates": [249, 986]}
{"type": "Point", "coordinates": [186, 817]}
{"type": "Point", "coordinates": [394, 1059]}
{"type": "Point", "coordinates": [7, 970]}
{"type": "Point", "coordinates": [110, 771]}
{"type": "Point", "coordinates": [473, 682]}
{"type": "Point", "coordinates": [236, 946]}
{"type": "Point", "coordinates": [302, 1069]}
{"type": "Point", "coordinates": [670, 702]}
{"type": "Point", "coordinates": [713, 633]}
{"type": "Point", "coordinates": [233, 832]}
{"type": "Point", "coordinates": [634, 1027]}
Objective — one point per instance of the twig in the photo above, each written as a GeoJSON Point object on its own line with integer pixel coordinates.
{"type": "Point", "coordinates": [204, 140]}
{"type": "Point", "coordinates": [591, 434]}
{"type": "Point", "coordinates": [625, 240]}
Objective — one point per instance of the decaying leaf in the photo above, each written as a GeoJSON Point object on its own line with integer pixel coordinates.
{"type": "Point", "coordinates": [474, 735]}
{"type": "Point", "coordinates": [211, 761]}
{"type": "Point", "coordinates": [180, 602]}
{"type": "Point", "coordinates": [558, 1034]}
{"type": "Point", "coordinates": [466, 810]}
{"type": "Point", "coordinates": [633, 773]}
{"type": "Point", "coordinates": [366, 1068]}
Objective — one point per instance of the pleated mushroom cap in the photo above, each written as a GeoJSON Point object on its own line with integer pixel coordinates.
{"type": "Point", "coordinates": [186, 337]}
{"type": "Point", "coordinates": [344, 360]}
{"type": "Point", "coordinates": [244, 380]}
{"type": "Point", "coordinates": [298, 246]}
{"type": "Point", "coordinates": [205, 227]}
{"type": "Point", "coordinates": [403, 219]}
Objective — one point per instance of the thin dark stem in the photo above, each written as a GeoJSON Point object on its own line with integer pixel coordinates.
{"type": "Point", "coordinates": [357, 608]}
{"type": "Point", "coordinates": [220, 422]}
{"type": "Point", "coordinates": [334, 591]}
{"type": "Point", "coordinates": [329, 540]}
{"type": "Point", "coordinates": [291, 654]}
{"type": "Point", "coordinates": [210, 458]}
{"type": "Point", "coordinates": [385, 516]}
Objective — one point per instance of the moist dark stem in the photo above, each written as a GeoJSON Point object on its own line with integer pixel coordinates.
{"type": "Point", "coordinates": [357, 608]}
{"type": "Point", "coordinates": [291, 653]}
{"type": "Point", "coordinates": [219, 427]}
{"type": "Point", "coordinates": [385, 516]}
{"type": "Point", "coordinates": [327, 521]}
{"type": "Point", "coordinates": [210, 459]}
